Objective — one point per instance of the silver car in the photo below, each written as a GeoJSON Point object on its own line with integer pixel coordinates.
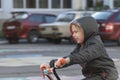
{"type": "Point", "coordinates": [59, 29]}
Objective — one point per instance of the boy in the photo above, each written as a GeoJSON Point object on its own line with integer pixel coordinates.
{"type": "Point", "coordinates": [89, 52]}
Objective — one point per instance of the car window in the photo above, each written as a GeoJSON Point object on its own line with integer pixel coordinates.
{"type": "Point", "coordinates": [117, 18]}
{"type": "Point", "coordinates": [82, 14]}
{"type": "Point", "coordinates": [20, 16]}
{"type": "Point", "coordinates": [66, 17]}
{"type": "Point", "coordinates": [36, 18]}
{"type": "Point", "coordinates": [102, 15]}
{"type": "Point", "coordinates": [87, 14]}
{"type": "Point", "coordinates": [50, 19]}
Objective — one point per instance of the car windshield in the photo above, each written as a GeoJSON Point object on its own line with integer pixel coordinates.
{"type": "Point", "coordinates": [20, 16]}
{"type": "Point", "coordinates": [67, 17]}
{"type": "Point", "coordinates": [102, 15]}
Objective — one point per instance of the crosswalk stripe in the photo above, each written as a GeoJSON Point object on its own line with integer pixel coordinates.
{"type": "Point", "coordinates": [24, 50]}
{"type": "Point", "coordinates": [29, 61]}
{"type": "Point", "coordinates": [25, 61]}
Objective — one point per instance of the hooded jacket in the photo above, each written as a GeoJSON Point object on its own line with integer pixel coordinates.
{"type": "Point", "coordinates": [92, 57]}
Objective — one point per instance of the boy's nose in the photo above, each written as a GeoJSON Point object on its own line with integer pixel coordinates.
{"type": "Point", "coordinates": [73, 35]}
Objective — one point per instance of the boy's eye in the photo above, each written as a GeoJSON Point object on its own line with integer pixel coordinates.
{"type": "Point", "coordinates": [75, 31]}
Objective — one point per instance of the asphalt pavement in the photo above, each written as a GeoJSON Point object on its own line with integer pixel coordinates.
{"type": "Point", "coordinates": [12, 63]}
{"type": "Point", "coordinates": [33, 61]}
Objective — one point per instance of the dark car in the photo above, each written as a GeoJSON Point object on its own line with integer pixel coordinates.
{"type": "Point", "coordinates": [109, 25]}
{"type": "Point", "coordinates": [24, 25]}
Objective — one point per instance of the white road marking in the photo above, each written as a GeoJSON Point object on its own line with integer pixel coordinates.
{"type": "Point", "coordinates": [25, 50]}
{"type": "Point", "coordinates": [25, 61]}
{"type": "Point", "coordinates": [29, 61]}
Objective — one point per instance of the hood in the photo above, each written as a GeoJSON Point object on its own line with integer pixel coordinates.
{"type": "Point", "coordinates": [88, 24]}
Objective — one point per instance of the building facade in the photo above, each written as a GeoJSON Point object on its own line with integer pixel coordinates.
{"type": "Point", "coordinates": [51, 6]}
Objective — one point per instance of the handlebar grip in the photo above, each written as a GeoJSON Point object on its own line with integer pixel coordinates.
{"type": "Point", "coordinates": [49, 71]}
{"type": "Point", "coordinates": [46, 72]}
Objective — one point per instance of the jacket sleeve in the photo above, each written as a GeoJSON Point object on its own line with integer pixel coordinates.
{"type": "Point", "coordinates": [52, 62]}
{"type": "Point", "coordinates": [92, 51]}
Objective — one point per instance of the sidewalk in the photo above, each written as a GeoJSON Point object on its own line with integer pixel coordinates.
{"type": "Point", "coordinates": [2, 41]}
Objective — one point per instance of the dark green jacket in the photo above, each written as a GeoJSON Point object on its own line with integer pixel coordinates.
{"type": "Point", "coordinates": [92, 57]}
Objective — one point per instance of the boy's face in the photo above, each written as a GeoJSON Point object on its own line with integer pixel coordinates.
{"type": "Point", "coordinates": [78, 34]}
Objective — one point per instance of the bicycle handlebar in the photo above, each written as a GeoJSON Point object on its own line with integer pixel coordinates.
{"type": "Point", "coordinates": [46, 72]}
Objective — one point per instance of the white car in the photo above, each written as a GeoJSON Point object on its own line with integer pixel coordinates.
{"type": "Point", "coordinates": [59, 29]}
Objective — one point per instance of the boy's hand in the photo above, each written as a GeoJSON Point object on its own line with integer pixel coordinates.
{"type": "Point", "coordinates": [44, 67]}
{"type": "Point", "coordinates": [60, 62]}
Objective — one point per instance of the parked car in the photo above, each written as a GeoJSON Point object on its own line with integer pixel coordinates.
{"type": "Point", "coordinates": [24, 25]}
{"type": "Point", "coordinates": [109, 24]}
{"type": "Point", "coordinates": [59, 29]}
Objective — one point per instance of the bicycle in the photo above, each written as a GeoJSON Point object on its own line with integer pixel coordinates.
{"type": "Point", "coordinates": [48, 72]}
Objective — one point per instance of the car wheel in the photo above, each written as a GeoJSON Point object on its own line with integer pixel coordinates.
{"type": "Point", "coordinates": [33, 37]}
{"type": "Point", "coordinates": [13, 41]}
{"type": "Point", "coordinates": [16, 40]}
{"type": "Point", "coordinates": [119, 41]}
{"type": "Point", "coordinates": [56, 41]}
{"type": "Point", "coordinates": [10, 41]}
{"type": "Point", "coordinates": [49, 39]}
